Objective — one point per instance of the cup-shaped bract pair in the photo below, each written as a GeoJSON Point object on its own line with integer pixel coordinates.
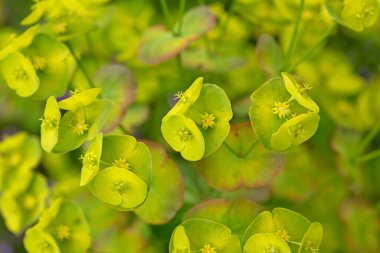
{"type": "Point", "coordinates": [84, 118]}
{"type": "Point", "coordinates": [199, 122]}
{"type": "Point", "coordinates": [118, 170]}
{"type": "Point", "coordinates": [23, 201]}
{"type": "Point", "coordinates": [66, 19]}
{"type": "Point", "coordinates": [19, 154]}
{"type": "Point", "coordinates": [282, 230]}
{"type": "Point", "coordinates": [355, 14]}
{"type": "Point", "coordinates": [30, 69]}
{"type": "Point", "coordinates": [282, 114]}
{"type": "Point", "coordinates": [61, 228]}
{"type": "Point", "coordinates": [205, 236]}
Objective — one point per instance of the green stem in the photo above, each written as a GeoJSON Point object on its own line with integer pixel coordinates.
{"type": "Point", "coordinates": [295, 33]}
{"type": "Point", "coordinates": [295, 243]}
{"type": "Point", "coordinates": [368, 157]}
{"type": "Point", "coordinates": [105, 163]}
{"type": "Point", "coordinates": [230, 149]}
{"type": "Point", "coordinates": [367, 139]}
{"type": "Point", "coordinates": [182, 6]}
{"type": "Point", "coordinates": [312, 50]}
{"type": "Point", "coordinates": [168, 17]}
{"type": "Point", "coordinates": [123, 129]}
{"type": "Point", "coordinates": [79, 63]}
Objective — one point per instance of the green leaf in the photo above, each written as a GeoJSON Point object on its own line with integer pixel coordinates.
{"type": "Point", "coordinates": [199, 58]}
{"type": "Point", "coordinates": [197, 21]}
{"type": "Point", "coordinates": [295, 131]}
{"type": "Point", "coordinates": [167, 189]}
{"type": "Point", "coordinates": [183, 136]}
{"type": "Point", "coordinates": [19, 74]}
{"type": "Point", "coordinates": [269, 242]}
{"type": "Point", "coordinates": [36, 241]}
{"type": "Point", "coordinates": [158, 44]}
{"type": "Point", "coordinates": [312, 240]}
{"type": "Point", "coordinates": [119, 85]}
{"type": "Point", "coordinates": [180, 242]}
{"type": "Point", "coordinates": [79, 99]}
{"type": "Point", "coordinates": [211, 112]}
{"type": "Point", "coordinates": [119, 187]}
{"type": "Point", "coordinates": [264, 121]}
{"type": "Point", "coordinates": [124, 151]}
{"type": "Point", "coordinates": [24, 201]}
{"type": "Point", "coordinates": [269, 55]}
{"type": "Point", "coordinates": [49, 125]}
{"type": "Point", "coordinates": [235, 214]}
{"type": "Point", "coordinates": [206, 234]}
{"type": "Point", "coordinates": [299, 93]}
{"type": "Point", "coordinates": [241, 150]}
{"type": "Point", "coordinates": [187, 98]}
{"type": "Point", "coordinates": [91, 160]}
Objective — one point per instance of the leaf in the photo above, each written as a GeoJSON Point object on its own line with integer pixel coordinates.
{"type": "Point", "coordinates": [119, 85]}
{"type": "Point", "coordinates": [36, 240]}
{"type": "Point", "coordinates": [200, 59]}
{"type": "Point", "coordinates": [226, 169]}
{"type": "Point", "coordinates": [19, 74]}
{"type": "Point", "coordinates": [264, 121]}
{"type": "Point", "coordinates": [266, 243]}
{"type": "Point", "coordinates": [124, 151]}
{"type": "Point", "coordinates": [158, 44]}
{"type": "Point", "coordinates": [235, 214]}
{"type": "Point", "coordinates": [202, 232]}
{"type": "Point", "coordinates": [269, 55]}
{"type": "Point", "coordinates": [91, 160]}
{"type": "Point", "coordinates": [213, 101]}
{"type": "Point", "coordinates": [312, 240]}
{"type": "Point", "coordinates": [24, 201]}
{"type": "Point", "coordinates": [167, 189]}
{"type": "Point", "coordinates": [79, 99]}
{"type": "Point", "coordinates": [183, 136]}
{"type": "Point", "coordinates": [49, 125]}
{"type": "Point", "coordinates": [187, 98]}
{"type": "Point", "coordinates": [295, 131]}
{"type": "Point", "coordinates": [119, 187]}
{"type": "Point", "coordinates": [180, 241]}
{"type": "Point", "coordinates": [302, 98]}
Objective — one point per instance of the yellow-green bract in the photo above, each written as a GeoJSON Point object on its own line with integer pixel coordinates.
{"type": "Point", "coordinates": [118, 171]}
{"type": "Point", "coordinates": [198, 124]}
{"type": "Point", "coordinates": [282, 114]}
{"type": "Point", "coordinates": [61, 228]}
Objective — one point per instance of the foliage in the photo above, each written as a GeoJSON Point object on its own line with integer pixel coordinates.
{"type": "Point", "coordinates": [174, 126]}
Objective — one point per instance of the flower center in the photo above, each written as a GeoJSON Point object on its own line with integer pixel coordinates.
{"type": "Point", "coordinates": [19, 73]}
{"type": "Point", "coordinates": [270, 249]}
{"type": "Point", "coordinates": [39, 63]}
{"type": "Point", "coordinates": [181, 97]}
{"type": "Point", "coordinates": [89, 159]}
{"type": "Point", "coordinates": [120, 187]}
{"type": "Point", "coordinates": [208, 120]}
{"type": "Point", "coordinates": [29, 201]}
{"type": "Point", "coordinates": [283, 234]}
{"type": "Point", "coordinates": [49, 123]}
{"type": "Point", "coordinates": [208, 249]}
{"type": "Point", "coordinates": [183, 134]}
{"type": "Point", "coordinates": [180, 250]}
{"type": "Point", "coordinates": [60, 27]}
{"type": "Point", "coordinates": [63, 232]}
{"type": "Point", "coordinates": [80, 127]}
{"type": "Point", "coordinates": [121, 163]}
{"type": "Point", "coordinates": [281, 109]}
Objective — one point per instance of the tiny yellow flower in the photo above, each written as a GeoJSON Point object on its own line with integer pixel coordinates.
{"type": "Point", "coordinates": [121, 163]}
{"type": "Point", "coordinates": [63, 232]}
{"type": "Point", "coordinates": [39, 63]}
{"type": "Point", "coordinates": [208, 249]}
{"type": "Point", "coordinates": [208, 120]}
{"type": "Point", "coordinates": [281, 109]}
{"type": "Point", "coordinates": [80, 127]}
{"type": "Point", "coordinates": [283, 234]}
